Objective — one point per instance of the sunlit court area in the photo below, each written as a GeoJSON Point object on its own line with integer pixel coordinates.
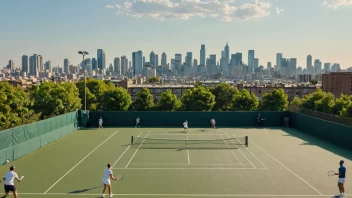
{"type": "Point", "coordinates": [257, 161]}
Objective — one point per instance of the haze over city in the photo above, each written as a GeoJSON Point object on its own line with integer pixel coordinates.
{"type": "Point", "coordinates": [57, 30]}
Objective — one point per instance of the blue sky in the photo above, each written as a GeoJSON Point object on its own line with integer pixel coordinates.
{"type": "Point", "coordinates": [58, 29]}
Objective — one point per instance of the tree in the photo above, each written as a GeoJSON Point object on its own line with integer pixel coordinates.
{"type": "Point", "coordinates": [325, 104]}
{"type": "Point", "coordinates": [144, 100]}
{"type": "Point", "coordinates": [198, 99]}
{"type": "Point", "coordinates": [341, 105]}
{"type": "Point", "coordinates": [15, 107]}
{"type": "Point", "coordinates": [245, 102]}
{"type": "Point", "coordinates": [275, 100]}
{"type": "Point", "coordinates": [116, 99]}
{"type": "Point", "coordinates": [314, 82]}
{"type": "Point", "coordinates": [154, 80]}
{"type": "Point", "coordinates": [168, 102]}
{"type": "Point", "coordinates": [296, 102]}
{"type": "Point", "coordinates": [95, 92]}
{"type": "Point", "coordinates": [51, 99]}
{"type": "Point", "coordinates": [224, 94]}
{"type": "Point", "coordinates": [308, 101]}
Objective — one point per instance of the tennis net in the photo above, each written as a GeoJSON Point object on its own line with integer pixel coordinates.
{"type": "Point", "coordinates": [161, 143]}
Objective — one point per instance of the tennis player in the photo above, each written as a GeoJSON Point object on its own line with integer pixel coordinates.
{"type": "Point", "coordinates": [137, 122]}
{"type": "Point", "coordinates": [106, 180]}
{"type": "Point", "coordinates": [100, 123]}
{"type": "Point", "coordinates": [342, 178]}
{"type": "Point", "coordinates": [258, 119]}
{"type": "Point", "coordinates": [9, 179]}
{"type": "Point", "coordinates": [212, 121]}
{"type": "Point", "coordinates": [185, 126]}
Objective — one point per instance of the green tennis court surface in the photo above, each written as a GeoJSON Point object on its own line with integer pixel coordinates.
{"type": "Point", "coordinates": [278, 162]}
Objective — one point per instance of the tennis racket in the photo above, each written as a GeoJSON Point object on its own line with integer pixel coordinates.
{"type": "Point", "coordinates": [21, 177]}
{"type": "Point", "coordinates": [119, 177]}
{"type": "Point", "coordinates": [331, 173]}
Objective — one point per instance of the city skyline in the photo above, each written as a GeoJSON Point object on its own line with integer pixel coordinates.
{"type": "Point", "coordinates": [279, 28]}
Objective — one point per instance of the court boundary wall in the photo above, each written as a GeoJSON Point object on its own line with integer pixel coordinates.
{"type": "Point", "coordinates": [19, 141]}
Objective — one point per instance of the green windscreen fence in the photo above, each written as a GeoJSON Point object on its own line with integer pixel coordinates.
{"type": "Point", "coordinates": [195, 119]}
{"type": "Point", "coordinates": [19, 141]}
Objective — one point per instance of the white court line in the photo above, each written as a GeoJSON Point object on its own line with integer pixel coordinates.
{"type": "Point", "coordinates": [80, 162]}
{"type": "Point", "coordinates": [189, 162]}
{"type": "Point", "coordinates": [186, 195]}
{"type": "Point", "coordinates": [286, 168]}
{"type": "Point", "coordinates": [136, 151]}
{"type": "Point", "coordinates": [199, 168]}
{"type": "Point", "coordinates": [212, 134]}
{"type": "Point", "coordinates": [249, 151]}
{"type": "Point", "coordinates": [124, 152]}
{"type": "Point", "coordinates": [231, 150]}
{"type": "Point", "coordinates": [241, 152]}
{"type": "Point", "coordinates": [175, 164]}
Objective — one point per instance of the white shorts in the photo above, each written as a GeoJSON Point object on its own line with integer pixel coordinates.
{"type": "Point", "coordinates": [100, 123]}
{"type": "Point", "coordinates": [106, 181]}
{"type": "Point", "coordinates": [342, 180]}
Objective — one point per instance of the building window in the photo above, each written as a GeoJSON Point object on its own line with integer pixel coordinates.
{"type": "Point", "coordinates": [157, 91]}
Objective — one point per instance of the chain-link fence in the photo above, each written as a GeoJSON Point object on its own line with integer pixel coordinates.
{"type": "Point", "coordinates": [323, 116]}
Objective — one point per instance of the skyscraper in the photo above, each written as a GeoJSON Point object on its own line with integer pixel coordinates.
{"type": "Point", "coordinates": [239, 60]}
{"type": "Point", "coordinates": [117, 66]}
{"type": "Point", "coordinates": [25, 64]}
{"type": "Point", "coordinates": [178, 62]}
{"type": "Point", "coordinates": [66, 65]}
{"type": "Point", "coordinates": [227, 53]}
{"type": "Point", "coordinates": [152, 60]}
{"type": "Point", "coordinates": [278, 62]}
{"type": "Point", "coordinates": [94, 64]}
{"type": "Point", "coordinates": [41, 64]}
{"type": "Point", "coordinates": [310, 64]}
{"type": "Point", "coordinates": [250, 60]}
{"type": "Point", "coordinates": [268, 65]}
{"type": "Point", "coordinates": [47, 66]}
{"type": "Point", "coordinates": [317, 66]}
{"type": "Point", "coordinates": [256, 63]}
{"type": "Point", "coordinates": [195, 62]}
{"type": "Point", "coordinates": [202, 55]}
{"type": "Point", "coordinates": [34, 65]}
{"type": "Point", "coordinates": [137, 63]}
{"type": "Point", "coordinates": [327, 67]}
{"type": "Point", "coordinates": [101, 59]}
{"type": "Point", "coordinates": [293, 66]}
{"type": "Point", "coordinates": [163, 59]}
{"type": "Point", "coordinates": [189, 59]}
{"type": "Point", "coordinates": [11, 65]}
{"type": "Point", "coordinates": [156, 60]}
{"type": "Point", "coordinates": [124, 65]}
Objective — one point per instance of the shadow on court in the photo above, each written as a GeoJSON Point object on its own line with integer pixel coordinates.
{"type": "Point", "coordinates": [84, 190]}
{"type": "Point", "coordinates": [315, 141]}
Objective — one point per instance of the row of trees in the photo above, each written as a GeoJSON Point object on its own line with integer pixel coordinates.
{"type": "Point", "coordinates": [325, 102]}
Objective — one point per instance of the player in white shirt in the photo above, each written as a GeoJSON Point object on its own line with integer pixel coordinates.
{"type": "Point", "coordinates": [106, 179]}
{"type": "Point", "coordinates": [100, 123]}
{"type": "Point", "coordinates": [9, 179]}
{"type": "Point", "coordinates": [137, 122]}
{"type": "Point", "coordinates": [212, 121]}
{"type": "Point", "coordinates": [185, 126]}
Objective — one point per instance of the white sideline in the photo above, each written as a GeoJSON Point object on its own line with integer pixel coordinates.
{"type": "Point", "coordinates": [124, 152]}
{"type": "Point", "coordinates": [136, 151]}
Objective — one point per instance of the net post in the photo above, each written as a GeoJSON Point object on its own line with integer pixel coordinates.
{"type": "Point", "coordinates": [246, 141]}
{"type": "Point", "coordinates": [131, 139]}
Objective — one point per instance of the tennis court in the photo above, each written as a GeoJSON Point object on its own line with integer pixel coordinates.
{"type": "Point", "coordinates": [166, 162]}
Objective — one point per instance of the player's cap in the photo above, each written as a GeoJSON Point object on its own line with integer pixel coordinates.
{"type": "Point", "coordinates": [341, 162]}
{"type": "Point", "coordinates": [12, 168]}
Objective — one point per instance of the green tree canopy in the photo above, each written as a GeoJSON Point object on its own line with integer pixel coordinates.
{"type": "Point", "coordinates": [154, 80]}
{"type": "Point", "coordinates": [116, 99]}
{"type": "Point", "coordinates": [308, 101]}
{"type": "Point", "coordinates": [245, 102]}
{"type": "Point", "coordinates": [144, 100]}
{"type": "Point", "coordinates": [51, 99]}
{"type": "Point", "coordinates": [198, 99]}
{"type": "Point", "coordinates": [224, 94]}
{"type": "Point", "coordinates": [314, 82]}
{"type": "Point", "coordinates": [15, 107]}
{"type": "Point", "coordinates": [341, 105]}
{"type": "Point", "coordinates": [95, 92]}
{"type": "Point", "coordinates": [168, 102]}
{"type": "Point", "coordinates": [296, 102]}
{"type": "Point", "coordinates": [326, 103]}
{"type": "Point", "coordinates": [275, 100]}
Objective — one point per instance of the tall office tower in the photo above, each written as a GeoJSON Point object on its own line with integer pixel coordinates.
{"type": "Point", "coordinates": [268, 65]}
{"type": "Point", "coordinates": [11, 65]}
{"type": "Point", "coordinates": [156, 60]}
{"type": "Point", "coordinates": [212, 65]}
{"type": "Point", "coordinates": [88, 66]}
{"type": "Point", "coordinates": [327, 67]}
{"type": "Point", "coordinates": [293, 66]}
{"type": "Point", "coordinates": [34, 62]}
{"type": "Point", "coordinates": [250, 60]}
{"type": "Point", "coordinates": [310, 64]}
{"type": "Point", "coordinates": [195, 62]}
{"type": "Point", "coordinates": [117, 66]}
{"type": "Point", "coordinates": [239, 59]}
{"type": "Point", "coordinates": [189, 59]}
{"type": "Point", "coordinates": [163, 59]}
{"type": "Point", "coordinates": [101, 59]}
{"type": "Point", "coordinates": [124, 65]}
{"type": "Point", "coordinates": [227, 53]}
{"type": "Point", "coordinates": [256, 63]}
{"type": "Point", "coordinates": [284, 66]}
{"type": "Point", "coordinates": [47, 66]}
{"type": "Point", "coordinates": [178, 62]}
{"type": "Point", "coordinates": [152, 60]}
{"type": "Point", "coordinates": [143, 60]}
{"type": "Point", "coordinates": [137, 63]}
{"type": "Point", "coordinates": [317, 66]}
{"type": "Point", "coordinates": [94, 64]}
{"type": "Point", "coordinates": [41, 64]}
{"type": "Point", "coordinates": [233, 61]}
{"type": "Point", "coordinates": [278, 62]}
{"type": "Point", "coordinates": [66, 64]}
{"type": "Point", "coordinates": [202, 55]}
{"type": "Point", "coordinates": [25, 64]}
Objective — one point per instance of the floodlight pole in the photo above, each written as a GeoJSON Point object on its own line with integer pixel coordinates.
{"type": "Point", "coordinates": [85, 83]}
